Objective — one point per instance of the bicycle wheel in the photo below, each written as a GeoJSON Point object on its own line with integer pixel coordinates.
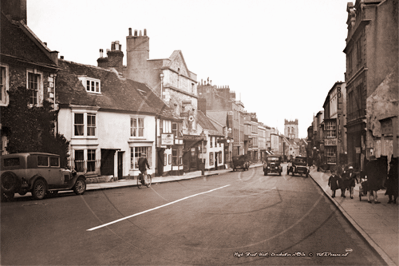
{"type": "Point", "coordinates": [138, 182]}
{"type": "Point", "coordinates": [149, 180]}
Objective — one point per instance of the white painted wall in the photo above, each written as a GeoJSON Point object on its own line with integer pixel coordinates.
{"type": "Point", "coordinates": [112, 132]}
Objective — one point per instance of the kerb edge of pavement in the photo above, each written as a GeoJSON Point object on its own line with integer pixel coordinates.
{"type": "Point", "coordinates": [360, 230]}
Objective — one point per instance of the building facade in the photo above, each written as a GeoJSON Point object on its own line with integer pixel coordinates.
{"type": "Point", "coordinates": [111, 122]}
{"type": "Point", "coordinates": [34, 69]}
{"type": "Point", "coordinates": [174, 83]}
{"type": "Point", "coordinates": [372, 80]}
{"type": "Point", "coordinates": [334, 126]}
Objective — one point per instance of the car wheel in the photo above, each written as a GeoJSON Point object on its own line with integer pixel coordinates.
{"type": "Point", "coordinates": [9, 182]}
{"type": "Point", "coordinates": [80, 186]}
{"type": "Point", "coordinates": [39, 189]}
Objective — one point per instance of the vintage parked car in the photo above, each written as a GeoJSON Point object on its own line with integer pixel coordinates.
{"type": "Point", "coordinates": [39, 173]}
{"type": "Point", "coordinates": [299, 166]}
{"type": "Point", "coordinates": [272, 164]}
{"type": "Point", "coordinates": [241, 162]}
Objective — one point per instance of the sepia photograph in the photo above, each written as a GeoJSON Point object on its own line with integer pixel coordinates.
{"type": "Point", "coordinates": [198, 132]}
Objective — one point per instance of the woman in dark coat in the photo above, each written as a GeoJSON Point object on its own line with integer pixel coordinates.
{"type": "Point", "coordinates": [374, 180]}
{"type": "Point", "coordinates": [392, 181]}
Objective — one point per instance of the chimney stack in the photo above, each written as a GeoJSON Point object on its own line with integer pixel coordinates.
{"type": "Point", "coordinates": [15, 8]}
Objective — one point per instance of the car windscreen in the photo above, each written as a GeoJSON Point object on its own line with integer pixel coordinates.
{"type": "Point", "coordinates": [273, 159]}
{"type": "Point", "coordinates": [300, 161]}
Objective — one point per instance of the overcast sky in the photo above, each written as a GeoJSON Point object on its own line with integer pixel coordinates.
{"type": "Point", "coordinates": [281, 57]}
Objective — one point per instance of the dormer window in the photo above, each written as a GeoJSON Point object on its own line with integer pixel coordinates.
{"type": "Point", "coordinates": [91, 84]}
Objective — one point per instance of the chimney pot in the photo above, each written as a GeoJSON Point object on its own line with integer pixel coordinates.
{"type": "Point", "coordinates": [45, 43]}
{"type": "Point", "coordinates": [140, 33]}
{"type": "Point", "coordinates": [135, 32]}
{"type": "Point", "coordinates": [130, 31]}
{"type": "Point", "coordinates": [62, 57]}
{"type": "Point", "coordinates": [145, 32]}
{"type": "Point", "coordinates": [101, 53]}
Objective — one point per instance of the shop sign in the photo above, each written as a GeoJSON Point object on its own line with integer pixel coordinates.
{"type": "Point", "coordinates": [357, 150]}
{"type": "Point", "coordinates": [167, 139]}
{"type": "Point", "coordinates": [330, 142]}
{"type": "Point", "coordinates": [193, 137]}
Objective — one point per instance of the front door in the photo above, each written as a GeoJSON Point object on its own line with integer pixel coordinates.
{"type": "Point", "coordinates": [107, 162]}
{"type": "Point", "coordinates": [193, 159]}
{"type": "Point", "coordinates": [120, 165]}
{"type": "Point", "coordinates": [160, 165]}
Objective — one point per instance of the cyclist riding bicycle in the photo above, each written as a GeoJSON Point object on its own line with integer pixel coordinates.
{"type": "Point", "coordinates": [143, 165]}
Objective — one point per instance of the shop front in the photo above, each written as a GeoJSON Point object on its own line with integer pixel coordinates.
{"type": "Point", "coordinates": [192, 152]}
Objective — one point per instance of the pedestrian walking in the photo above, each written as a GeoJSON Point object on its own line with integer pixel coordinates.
{"type": "Point", "coordinates": [374, 180]}
{"type": "Point", "coordinates": [341, 180]}
{"type": "Point", "coordinates": [392, 181]}
{"type": "Point", "coordinates": [350, 180]}
{"type": "Point", "coordinates": [143, 165]}
{"type": "Point", "coordinates": [333, 183]}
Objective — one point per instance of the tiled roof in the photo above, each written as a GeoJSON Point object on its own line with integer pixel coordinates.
{"type": "Point", "coordinates": [22, 45]}
{"type": "Point", "coordinates": [205, 123]}
{"type": "Point", "coordinates": [116, 94]}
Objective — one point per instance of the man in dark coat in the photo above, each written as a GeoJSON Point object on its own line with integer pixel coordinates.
{"type": "Point", "coordinates": [333, 183]}
{"type": "Point", "coordinates": [392, 181]}
{"type": "Point", "coordinates": [143, 165]}
{"type": "Point", "coordinates": [349, 180]}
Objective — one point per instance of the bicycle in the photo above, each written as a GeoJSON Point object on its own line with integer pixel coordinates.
{"type": "Point", "coordinates": [145, 181]}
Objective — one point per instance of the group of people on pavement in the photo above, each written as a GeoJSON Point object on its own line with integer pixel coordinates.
{"type": "Point", "coordinates": [343, 180]}
{"type": "Point", "coordinates": [371, 181]}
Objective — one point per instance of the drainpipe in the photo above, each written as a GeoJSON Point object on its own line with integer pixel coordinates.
{"type": "Point", "coordinates": [156, 145]}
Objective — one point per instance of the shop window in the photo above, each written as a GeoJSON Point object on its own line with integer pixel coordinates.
{"type": "Point", "coordinates": [135, 154]}
{"type": "Point", "coordinates": [174, 157]}
{"type": "Point", "coordinates": [211, 158]}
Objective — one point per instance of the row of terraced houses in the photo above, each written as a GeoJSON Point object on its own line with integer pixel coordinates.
{"type": "Point", "coordinates": [112, 113]}
{"type": "Point", "coordinates": [359, 119]}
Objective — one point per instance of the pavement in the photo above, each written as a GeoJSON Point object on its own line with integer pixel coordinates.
{"type": "Point", "coordinates": [377, 223]}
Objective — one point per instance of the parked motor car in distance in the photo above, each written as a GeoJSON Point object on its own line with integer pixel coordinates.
{"type": "Point", "coordinates": [37, 172]}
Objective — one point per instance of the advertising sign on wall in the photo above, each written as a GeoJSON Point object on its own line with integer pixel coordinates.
{"type": "Point", "coordinates": [167, 139]}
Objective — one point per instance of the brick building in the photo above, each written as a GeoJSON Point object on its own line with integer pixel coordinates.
{"type": "Point", "coordinates": [26, 61]}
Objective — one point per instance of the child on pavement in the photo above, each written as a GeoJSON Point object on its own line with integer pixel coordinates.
{"type": "Point", "coordinates": [333, 183]}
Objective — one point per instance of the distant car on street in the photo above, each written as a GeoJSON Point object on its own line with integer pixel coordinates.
{"type": "Point", "coordinates": [37, 172]}
{"type": "Point", "coordinates": [272, 164]}
{"type": "Point", "coordinates": [299, 166]}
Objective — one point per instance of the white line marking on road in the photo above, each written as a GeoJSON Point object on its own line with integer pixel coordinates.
{"type": "Point", "coordinates": [167, 204]}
